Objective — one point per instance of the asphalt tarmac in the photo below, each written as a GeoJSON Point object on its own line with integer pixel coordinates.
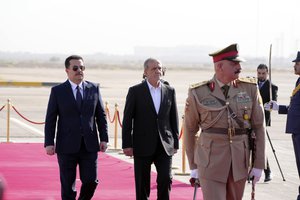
{"type": "Point", "coordinates": [31, 103]}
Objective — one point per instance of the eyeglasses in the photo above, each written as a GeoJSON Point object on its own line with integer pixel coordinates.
{"type": "Point", "coordinates": [75, 68]}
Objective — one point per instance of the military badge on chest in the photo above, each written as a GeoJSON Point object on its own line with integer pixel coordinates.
{"type": "Point", "coordinates": [246, 118]}
{"type": "Point", "coordinates": [210, 102]}
{"type": "Point", "coordinates": [243, 97]}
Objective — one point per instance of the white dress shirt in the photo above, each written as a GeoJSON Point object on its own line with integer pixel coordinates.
{"type": "Point", "coordinates": [156, 95]}
{"type": "Point", "coordinates": [74, 88]}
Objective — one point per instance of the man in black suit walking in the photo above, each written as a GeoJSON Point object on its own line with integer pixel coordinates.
{"type": "Point", "coordinates": [264, 89]}
{"type": "Point", "coordinates": [150, 131]}
{"type": "Point", "coordinates": [75, 112]}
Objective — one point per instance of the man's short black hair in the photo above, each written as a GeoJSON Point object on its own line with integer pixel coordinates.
{"type": "Point", "coordinates": [262, 66]}
{"type": "Point", "coordinates": [72, 57]}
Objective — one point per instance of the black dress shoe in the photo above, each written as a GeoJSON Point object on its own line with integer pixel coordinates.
{"type": "Point", "coordinates": [268, 177]}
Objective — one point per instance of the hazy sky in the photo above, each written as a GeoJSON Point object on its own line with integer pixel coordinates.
{"type": "Point", "coordinates": [117, 26]}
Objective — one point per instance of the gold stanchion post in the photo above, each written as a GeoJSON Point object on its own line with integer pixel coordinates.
{"type": "Point", "coordinates": [8, 120]}
{"type": "Point", "coordinates": [116, 125]}
{"type": "Point", "coordinates": [183, 173]}
{"type": "Point", "coordinates": [106, 107]}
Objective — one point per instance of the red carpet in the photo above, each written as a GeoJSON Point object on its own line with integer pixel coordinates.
{"type": "Point", "coordinates": [32, 175]}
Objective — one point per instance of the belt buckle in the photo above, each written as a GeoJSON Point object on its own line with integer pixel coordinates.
{"type": "Point", "coordinates": [231, 133]}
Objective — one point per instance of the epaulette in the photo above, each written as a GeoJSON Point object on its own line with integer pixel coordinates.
{"type": "Point", "coordinates": [252, 80]}
{"type": "Point", "coordinates": [195, 85]}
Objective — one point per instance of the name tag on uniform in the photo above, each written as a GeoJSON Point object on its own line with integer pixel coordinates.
{"type": "Point", "coordinates": [243, 97]}
{"type": "Point", "coordinates": [209, 102]}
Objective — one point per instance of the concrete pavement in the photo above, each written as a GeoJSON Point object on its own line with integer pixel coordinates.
{"type": "Point", "coordinates": [32, 103]}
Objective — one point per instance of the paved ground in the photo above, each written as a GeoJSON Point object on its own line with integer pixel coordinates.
{"type": "Point", "coordinates": [31, 102]}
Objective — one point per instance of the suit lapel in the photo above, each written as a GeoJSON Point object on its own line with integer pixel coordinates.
{"type": "Point", "coordinates": [86, 92]}
{"type": "Point", "coordinates": [86, 89]}
{"type": "Point", "coordinates": [69, 93]}
{"type": "Point", "coordinates": [265, 85]}
{"type": "Point", "coordinates": [164, 95]}
{"type": "Point", "coordinates": [147, 94]}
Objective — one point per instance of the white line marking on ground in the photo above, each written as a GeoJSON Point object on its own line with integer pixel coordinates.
{"type": "Point", "coordinates": [30, 128]}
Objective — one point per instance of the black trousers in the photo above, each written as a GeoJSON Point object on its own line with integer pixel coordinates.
{"type": "Point", "coordinates": [296, 144]}
{"type": "Point", "coordinates": [87, 162]}
{"type": "Point", "coordinates": [142, 172]}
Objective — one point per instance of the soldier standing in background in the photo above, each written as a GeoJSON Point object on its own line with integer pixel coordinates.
{"type": "Point", "coordinates": [293, 114]}
{"type": "Point", "coordinates": [264, 89]}
{"type": "Point", "coordinates": [225, 108]}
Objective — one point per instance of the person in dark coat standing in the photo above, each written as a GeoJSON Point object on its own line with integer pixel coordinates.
{"type": "Point", "coordinates": [293, 114]}
{"type": "Point", "coordinates": [264, 89]}
{"type": "Point", "coordinates": [150, 131]}
{"type": "Point", "coordinates": [76, 119]}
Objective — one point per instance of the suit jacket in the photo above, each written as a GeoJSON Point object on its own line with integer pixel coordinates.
{"type": "Point", "coordinates": [293, 113]}
{"type": "Point", "coordinates": [74, 124]}
{"type": "Point", "coordinates": [143, 127]}
{"type": "Point", "coordinates": [265, 95]}
{"type": "Point", "coordinates": [213, 153]}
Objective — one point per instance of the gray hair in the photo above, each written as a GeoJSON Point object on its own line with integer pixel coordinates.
{"type": "Point", "coordinates": [148, 61]}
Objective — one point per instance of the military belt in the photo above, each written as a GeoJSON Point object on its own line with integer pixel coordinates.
{"type": "Point", "coordinates": [225, 131]}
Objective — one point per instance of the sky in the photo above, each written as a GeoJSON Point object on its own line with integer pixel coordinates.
{"type": "Point", "coordinates": [117, 26]}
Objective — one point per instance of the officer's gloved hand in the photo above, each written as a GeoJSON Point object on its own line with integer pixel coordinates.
{"type": "Point", "coordinates": [194, 180]}
{"type": "Point", "coordinates": [255, 174]}
{"type": "Point", "coordinates": [271, 105]}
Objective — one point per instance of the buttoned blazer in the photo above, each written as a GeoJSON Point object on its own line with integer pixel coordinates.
{"type": "Point", "coordinates": [293, 114]}
{"type": "Point", "coordinates": [143, 127]}
{"type": "Point", "coordinates": [265, 95]}
{"type": "Point", "coordinates": [68, 125]}
{"type": "Point", "coordinates": [213, 153]}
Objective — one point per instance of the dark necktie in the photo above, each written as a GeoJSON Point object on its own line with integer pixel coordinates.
{"type": "Point", "coordinates": [225, 89]}
{"type": "Point", "coordinates": [78, 97]}
{"type": "Point", "coordinates": [260, 84]}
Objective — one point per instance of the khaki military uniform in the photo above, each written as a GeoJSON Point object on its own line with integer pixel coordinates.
{"type": "Point", "coordinates": [222, 147]}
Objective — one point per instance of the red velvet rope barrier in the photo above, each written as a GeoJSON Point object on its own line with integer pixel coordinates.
{"type": "Point", "coordinates": [26, 118]}
{"type": "Point", "coordinates": [2, 108]}
{"type": "Point", "coordinates": [109, 118]}
{"type": "Point", "coordinates": [119, 119]}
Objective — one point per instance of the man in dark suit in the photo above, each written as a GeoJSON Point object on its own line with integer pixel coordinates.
{"type": "Point", "coordinates": [264, 89]}
{"type": "Point", "coordinates": [293, 117]}
{"type": "Point", "coordinates": [75, 107]}
{"type": "Point", "coordinates": [150, 131]}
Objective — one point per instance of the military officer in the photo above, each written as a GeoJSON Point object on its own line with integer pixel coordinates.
{"type": "Point", "coordinates": [292, 110]}
{"type": "Point", "coordinates": [224, 109]}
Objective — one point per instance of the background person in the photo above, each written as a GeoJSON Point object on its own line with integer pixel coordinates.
{"type": "Point", "coordinates": [2, 187]}
{"type": "Point", "coordinates": [75, 112]}
{"type": "Point", "coordinates": [264, 89]}
{"type": "Point", "coordinates": [224, 108]}
{"type": "Point", "coordinates": [293, 114]}
{"type": "Point", "coordinates": [150, 131]}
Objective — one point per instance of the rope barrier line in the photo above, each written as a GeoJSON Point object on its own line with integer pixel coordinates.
{"type": "Point", "coordinates": [119, 119]}
{"type": "Point", "coordinates": [25, 117]}
{"type": "Point", "coordinates": [115, 117]}
{"type": "Point", "coordinates": [2, 108]}
{"type": "Point", "coordinates": [109, 118]}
